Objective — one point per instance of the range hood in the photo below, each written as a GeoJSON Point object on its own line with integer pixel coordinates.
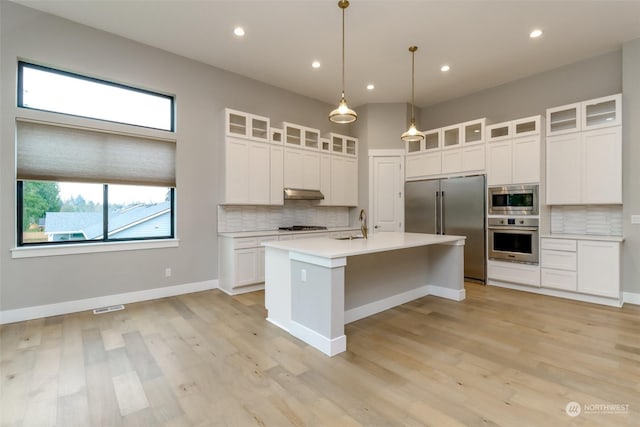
{"type": "Point", "coordinates": [300, 194]}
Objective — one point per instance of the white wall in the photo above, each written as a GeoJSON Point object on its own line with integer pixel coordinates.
{"type": "Point", "coordinates": [201, 93]}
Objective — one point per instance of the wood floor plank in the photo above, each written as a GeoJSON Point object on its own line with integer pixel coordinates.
{"type": "Point", "coordinates": [498, 358]}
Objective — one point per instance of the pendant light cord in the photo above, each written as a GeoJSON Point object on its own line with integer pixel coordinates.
{"type": "Point", "coordinates": [343, 51]}
{"type": "Point", "coordinates": [413, 73]}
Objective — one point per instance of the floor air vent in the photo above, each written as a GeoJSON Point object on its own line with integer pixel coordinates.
{"type": "Point", "coordinates": [108, 309]}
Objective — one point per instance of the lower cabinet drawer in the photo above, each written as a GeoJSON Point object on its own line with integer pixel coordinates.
{"type": "Point", "coordinates": [558, 279]}
{"type": "Point", "coordinates": [513, 272]}
{"type": "Point", "coordinates": [560, 260]}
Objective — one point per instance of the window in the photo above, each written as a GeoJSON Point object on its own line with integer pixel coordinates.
{"type": "Point", "coordinates": [63, 212]}
{"type": "Point", "coordinates": [86, 182]}
{"type": "Point", "coordinates": [47, 89]}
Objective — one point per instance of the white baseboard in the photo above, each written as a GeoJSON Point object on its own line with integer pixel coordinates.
{"type": "Point", "coordinates": [448, 293]}
{"type": "Point", "coordinates": [613, 302]}
{"type": "Point", "coordinates": [631, 298]}
{"type": "Point", "coordinates": [243, 289]}
{"type": "Point", "coordinates": [372, 308]}
{"type": "Point", "coordinates": [329, 346]}
{"type": "Point", "coordinates": [66, 307]}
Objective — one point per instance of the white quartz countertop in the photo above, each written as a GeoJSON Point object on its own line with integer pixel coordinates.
{"type": "Point", "coordinates": [584, 237]}
{"type": "Point", "coordinates": [327, 247]}
{"type": "Point", "coordinates": [238, 234]}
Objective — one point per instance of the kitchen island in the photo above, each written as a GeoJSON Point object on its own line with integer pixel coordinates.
{"type": "Point", "coordinates": [313, 287]}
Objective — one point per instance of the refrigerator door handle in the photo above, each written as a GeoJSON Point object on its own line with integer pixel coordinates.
{"type": "Point", "coordinates": [436, 217]}
{"type": "Point", "coordinates": [442, 212]}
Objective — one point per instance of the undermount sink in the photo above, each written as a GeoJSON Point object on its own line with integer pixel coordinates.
{"type": "Point", "coordinates": [348, 238]}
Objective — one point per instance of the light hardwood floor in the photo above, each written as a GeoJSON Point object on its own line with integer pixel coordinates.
{"type": "Point", "coordinates": [500, 357]}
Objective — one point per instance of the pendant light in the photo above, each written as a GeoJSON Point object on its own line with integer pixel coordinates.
{"type": "Point", "coordinates": [343, 114]}
{"type": "Point", "coordinates": [413, 134]}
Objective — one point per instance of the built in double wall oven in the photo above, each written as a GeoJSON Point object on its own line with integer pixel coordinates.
{"type": "Point", "coordinates": [513, 200]}
{"type": "Point", "coordinates": [513, 239]}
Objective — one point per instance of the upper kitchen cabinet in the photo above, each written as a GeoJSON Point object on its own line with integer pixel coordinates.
{"type": "Point", "coordinates": [473, 132]}
{"type": "Point", "coordinates": [244, 125]}
{"type": "Point", "coordinates": [585, 167]}
{"type": "Point", "coordinates": [451, 137]}
{"type": "Point", "coordinates": [343, 145]}
{"type": "Point", "coordinates": [583, 116]}
{"type": "Point", "coordinates": [513, 152]}
{"type": "Point", "coordinates": [247, 172]}
{"type": "Point", "coordinates": [276, 136]}
{"type": "Point", "coordinates": [297, 136]}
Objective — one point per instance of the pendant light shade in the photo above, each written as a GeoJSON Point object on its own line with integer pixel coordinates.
{"type": "Point", "coordinates": [412, 134]}
{"type": "Point", "coordinates": [343, 114]}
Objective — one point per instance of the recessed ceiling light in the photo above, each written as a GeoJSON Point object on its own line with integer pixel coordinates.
{"type": "Point", "coordinates": [445, 68]}
{"type": "Point", "coordinates": [315, 64]}
{"type": "Point", "coordinates": [535, 33]}
{"type": "Point", "coordinates": [238, 31]}
{"type": "Point", "coordinates": [370, 86]}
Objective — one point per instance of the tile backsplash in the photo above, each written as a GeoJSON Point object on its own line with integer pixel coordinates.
{"type": "Point", "coordinates": [603, 220]}
{"type": "Point", "coordinates": [294, 212]}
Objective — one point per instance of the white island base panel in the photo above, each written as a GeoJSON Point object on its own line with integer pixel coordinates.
{"type": "Point", "coordinates": [313, 297]}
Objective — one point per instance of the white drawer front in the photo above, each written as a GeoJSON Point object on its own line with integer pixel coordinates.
{"type": "Point", "coordinates": [245, 242]}
{"type": "Point", "coordinates": [522, 274]}
{"type": "Point", "coordinates": [558, 259]}
{"type": "Point", "coordinates": [558, 244]}
{"type": "Point", "coordinates": [265, 239]}
{"type": "Point", "coordinates": [558, 279]}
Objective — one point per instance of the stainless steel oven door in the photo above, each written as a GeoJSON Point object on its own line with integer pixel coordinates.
{"type": "Point", "coordinates": [513, 200]}
{"type": "Point", "coordinates": [514, 243]}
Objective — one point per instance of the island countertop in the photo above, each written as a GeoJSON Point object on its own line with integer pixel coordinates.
{"type": "Point", "coordinates": [326, 247]}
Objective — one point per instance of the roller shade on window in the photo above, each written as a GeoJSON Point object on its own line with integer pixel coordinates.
{"type": "Point", "coordinates": [48, 152]}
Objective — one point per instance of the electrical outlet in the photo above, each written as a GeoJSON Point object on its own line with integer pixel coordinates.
{"type": "Point", "coordinates": [303, 275]}
{"type": "Point", "coordinates": [635, 219]}
{"type": "Point", "coordinates": [167, 272]}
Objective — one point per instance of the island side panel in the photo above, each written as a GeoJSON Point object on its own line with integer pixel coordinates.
{"type": "Point", "coordinates": [277, 287]}
{"type": "Point", "coordinates": [446, 270]}
{"type": "Point", "coordinates": [317, 301]}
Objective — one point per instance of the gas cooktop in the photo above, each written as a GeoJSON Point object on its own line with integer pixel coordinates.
{"type": "Point", "coordinates": [303, 228]}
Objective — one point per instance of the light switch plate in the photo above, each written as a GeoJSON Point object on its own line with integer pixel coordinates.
{"type": "Point", "coordinates": [635, 219]}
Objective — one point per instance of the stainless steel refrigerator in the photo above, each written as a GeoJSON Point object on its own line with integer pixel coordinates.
{"type": "Point", "coordinates": [451, 206]}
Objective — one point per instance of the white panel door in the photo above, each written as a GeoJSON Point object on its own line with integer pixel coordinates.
{"type": "Point", "coordinates": [416, 165]}
{"type": "Point", "coordinates": [499, 163]}
{"type": "Point", "coordinates": [311, 171]}
{"type": "Point", "coordinates": [351, 184]}
{"type": "Point", "coordinates": [246, 266]}
{"type": "Point", "coordinates": [259, 177]}
{"type": "Point", "coordinates": [564, 170]}
{"type": "Point", "coordinates": [602, 166]}
{"type": "Point", "coordinates": [338, 181]}
{"type": "Point", "coordinates": [236, 171]}
{"type": "Point", "coordinates": [473, 158]}
{"type": "Point", "coordinates": [526, 160]}
{"type": "Point", "coordinates": [599, 268]}
{"type": "Point", "coordinates": [388, 200]}
{"type": "Point", "coordinates": [451, 161]}
{"type": "Point", "coordinates": [325, 179]}
{"type": "Point", "coordinates": [293, 169]}
{"type": "Point", "coordinates": [276, 194]}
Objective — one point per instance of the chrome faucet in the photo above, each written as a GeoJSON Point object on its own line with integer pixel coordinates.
{"type": "Point", "coordinates": [363, 223]}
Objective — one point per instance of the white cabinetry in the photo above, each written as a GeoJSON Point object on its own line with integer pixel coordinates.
{"type": "Point", "coordinates": [590, 267]}
{"type": "Point", "coordinates": [585, 167]}
{"type": "Point", "coordinates": [599, 268]}
{"type": "Point", "coordinates": [344, 181]}
{"type": "Point", "coordinates": [513, 273]}
{"type": "Point", "coordinates": [247, 172]}
{"type": "Point", "coordinates": [513, 152]}
{"type": "Point", "coordinates": [582, 116]}
{"type": "Point", "coordinates": [244, 125]}
{"type": "Point", "coordinates": [450, 150]}
{"type": "Point", "coordinates": [242, 263]}
{"type": "Point", "coordinates": [301, 169]}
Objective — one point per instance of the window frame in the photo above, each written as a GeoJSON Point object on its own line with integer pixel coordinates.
{"type": "Point", "coordinates": [20, 94]}
{"type": "Point", "coordinates": [105, 223]}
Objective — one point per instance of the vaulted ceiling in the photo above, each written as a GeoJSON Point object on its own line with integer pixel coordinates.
{"type": "Point", "coordinates": [486, 43]}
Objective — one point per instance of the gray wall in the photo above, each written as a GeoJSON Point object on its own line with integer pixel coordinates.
{"type": "Point", "coordinates": [631, 171]}
{"type": "Point", "coordinates": [201, 93]}
{"type": "Point", "coordinates": [591, 78]}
